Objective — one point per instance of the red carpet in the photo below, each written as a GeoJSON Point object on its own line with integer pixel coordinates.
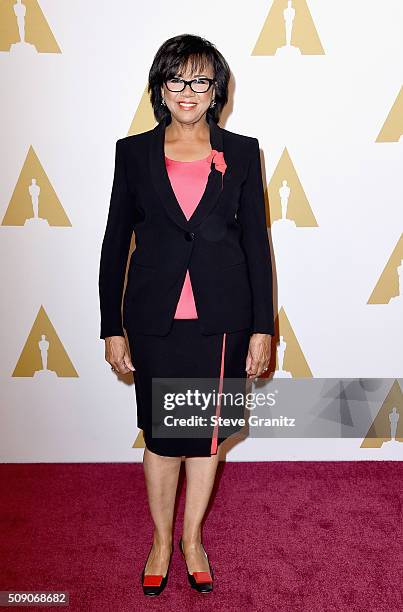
{"type": "Point", "coordinates": [281, 536]}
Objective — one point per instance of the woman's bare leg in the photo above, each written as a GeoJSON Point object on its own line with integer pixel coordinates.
{"type": "Point", "coordinates": [200, 476]}
{"type": "Point", "coordinates": [161, 475]}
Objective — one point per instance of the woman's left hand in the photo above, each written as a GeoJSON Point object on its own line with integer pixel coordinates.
{"type": "Point", "coordinates": [258, 358]}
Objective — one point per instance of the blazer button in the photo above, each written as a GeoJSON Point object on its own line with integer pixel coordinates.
{"type": "Point", "coordinates": [189, 236]}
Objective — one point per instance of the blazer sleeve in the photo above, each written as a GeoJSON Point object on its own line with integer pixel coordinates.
{"type": "Point", "coordinates": [114, 250]}
{"type": "Point", "coordinates": [254, 239]}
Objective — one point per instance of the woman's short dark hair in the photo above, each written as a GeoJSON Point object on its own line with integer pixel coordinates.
{"type": "Point", "coordinates": [179, 52]}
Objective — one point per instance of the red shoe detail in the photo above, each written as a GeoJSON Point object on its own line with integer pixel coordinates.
{"type": "Point", "coordinates": [202, 577]}
{"type": "Point", "coordinates": [152, 580]}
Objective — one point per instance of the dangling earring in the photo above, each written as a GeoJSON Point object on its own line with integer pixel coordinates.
{"type": "Point", "coordinates": [163, 102]}
{"type": "Point", "coordinates": [213, 103]}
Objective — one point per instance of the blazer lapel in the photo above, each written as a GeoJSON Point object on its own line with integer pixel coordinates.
{"type": "Point", "coordinates": [163, 185]}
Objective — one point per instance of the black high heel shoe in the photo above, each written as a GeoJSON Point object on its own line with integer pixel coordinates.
{"type": "Point", "coordinates": [201, 581]}
{"type": "Point", "coordinates": [154, 584]}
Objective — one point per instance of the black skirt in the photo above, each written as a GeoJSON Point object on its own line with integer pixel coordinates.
{"type": "Point", "coordinates": [185, 353]}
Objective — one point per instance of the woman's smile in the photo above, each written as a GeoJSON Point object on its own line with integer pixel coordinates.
{"type": "Point", "coordinates": [187, 105]}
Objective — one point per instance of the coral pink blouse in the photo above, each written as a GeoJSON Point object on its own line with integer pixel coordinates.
{"type": "Point", "coordinates": [188, 180]}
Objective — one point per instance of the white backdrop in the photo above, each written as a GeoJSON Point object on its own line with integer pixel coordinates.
{"type": "Point", "coordinates": [329, 118]}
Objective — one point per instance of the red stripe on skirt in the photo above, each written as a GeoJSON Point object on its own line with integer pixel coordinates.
{"type": "Point", "coordinates": [213, 449]}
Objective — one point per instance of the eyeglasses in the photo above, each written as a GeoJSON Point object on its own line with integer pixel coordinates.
{"type": "Point", "coordinates": [200, 85]}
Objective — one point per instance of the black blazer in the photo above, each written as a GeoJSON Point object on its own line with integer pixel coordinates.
{"type": "Point", "coordinates": [224, 244]}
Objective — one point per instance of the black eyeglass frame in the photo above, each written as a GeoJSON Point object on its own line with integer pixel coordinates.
{"type": "Point", "coordinates": [211, 81]}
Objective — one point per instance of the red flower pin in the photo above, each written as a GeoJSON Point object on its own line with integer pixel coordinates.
{"type": "Point", "coordinates": [218, 160]}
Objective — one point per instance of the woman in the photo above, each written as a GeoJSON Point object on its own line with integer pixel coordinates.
{"type": "Point", "coordinates": [198, 300]}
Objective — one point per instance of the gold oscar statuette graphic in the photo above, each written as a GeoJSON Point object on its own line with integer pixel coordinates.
{"type": "Point", "coordinates": [24, 30]}
{"type": "Point", "coordinates": [386, 430]}
{"type": "Point", "coordinates": [290, 360]}
{"type": "Point", "coordinates": [289, 205]}
{"type": "Point", "coordinates": [288, 31]}
{"type": "Point", "coordinates": [143, 119]}
{"type": "Point", "coordinates": [389, 288]}
{"type": "Point", "coordinates": [139, 441]}
{"type": "Point", "coordinates": [392, 129]}
{"type": "Point", "coordinates": [43, 355]}
{"type": "Point", "coordinates": [34, 201]}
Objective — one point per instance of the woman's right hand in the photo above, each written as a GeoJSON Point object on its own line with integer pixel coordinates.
{"type": "Point", "coordinates": [117, 355]}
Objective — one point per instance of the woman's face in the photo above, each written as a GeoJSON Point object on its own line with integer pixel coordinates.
{"type": "Point", "coordinates": [197, 103]}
